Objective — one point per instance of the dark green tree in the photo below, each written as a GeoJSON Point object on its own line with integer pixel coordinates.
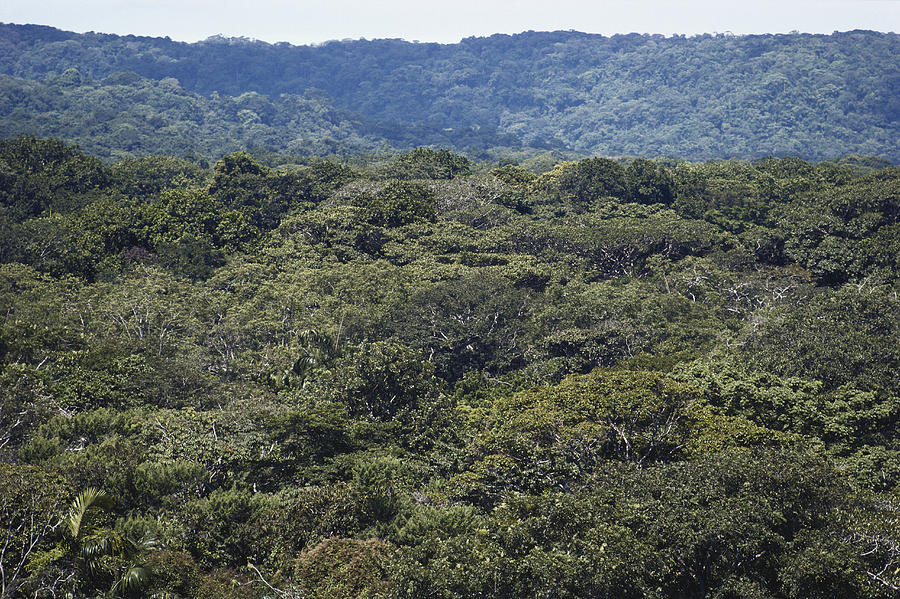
{"type": "Point", "coordinates": [649, 183]}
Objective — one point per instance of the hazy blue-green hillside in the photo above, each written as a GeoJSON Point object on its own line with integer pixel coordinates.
{"type": "Point", "coordinates": [816, 96]}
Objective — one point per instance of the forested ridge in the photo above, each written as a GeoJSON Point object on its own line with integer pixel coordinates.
{"type": "Point", "coordinates": [426, 377]}
{"type": "Point", "coordinates": [701, 97]}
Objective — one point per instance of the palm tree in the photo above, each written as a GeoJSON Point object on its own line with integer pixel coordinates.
{"type": "Point", "coordinates": [102, 553]}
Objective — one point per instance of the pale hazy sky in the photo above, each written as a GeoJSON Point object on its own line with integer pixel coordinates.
{"type": "Point", "coordinates": [313, 21]}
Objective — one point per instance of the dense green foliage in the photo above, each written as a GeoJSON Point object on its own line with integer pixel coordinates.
{"type": "Point", "coordinates": [126, 115]}
{"type": "Point", "coordinates": [815, 96]}
{"type": "Point", "coordinates": [636, 379]}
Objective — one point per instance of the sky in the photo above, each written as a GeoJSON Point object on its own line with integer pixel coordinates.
{"type": "Point", "coordinates": [447, 21]}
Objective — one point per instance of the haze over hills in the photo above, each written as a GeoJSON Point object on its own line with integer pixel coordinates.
{"type": "Point", "coordinates": [816, 96]}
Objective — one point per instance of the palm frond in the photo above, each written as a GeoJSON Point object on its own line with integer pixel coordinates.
{"type": "Point", "coordinates": [87, 499]}
{"type": "Point", "coordinates": [133, 580]}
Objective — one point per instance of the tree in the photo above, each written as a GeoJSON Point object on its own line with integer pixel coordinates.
{"type": "Point", "coordinates": [380, 380]}
{"type": "Point", "coordinates": [147, 176]}
{"type": "Point", "coordinates": [401, 203]}
{"type": "Point", "coordinates": [476, 321]}
{"type": "Point", "coordinates": [45, 174]}
{"type": "Point", "coordinates": [649, 183]}
{"type": "Point", "coordinates": [587, 181]}
{"type": "Point", "coordinates": [102, 554]}
{"type": "Point", "coordinates": [733, 521]}
{"type": "Point", "coordinates": [845, 337]}
{"type": "Point", "coordinates": [345, 569]}
{"type": "Point", "coordinates": [29, 501]}
{"type": "Point", "coordinates": [425, 163]}
{"type": "Point", "coordinates": [560, 437]}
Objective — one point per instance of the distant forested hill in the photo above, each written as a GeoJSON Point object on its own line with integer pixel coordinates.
{"type": "Point", "coordinates": [816, 96]}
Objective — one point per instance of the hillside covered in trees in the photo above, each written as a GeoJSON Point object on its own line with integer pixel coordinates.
{"type": "Point", "coordinates": [703, 97]}
{"type": "Point", "coordinates": [413, 378]}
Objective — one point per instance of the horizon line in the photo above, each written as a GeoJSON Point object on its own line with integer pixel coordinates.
{"type": "Point", "coordinates": [219, 37]}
